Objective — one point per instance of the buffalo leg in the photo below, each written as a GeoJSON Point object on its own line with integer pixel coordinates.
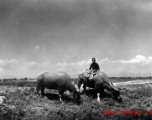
{"type": "Point", "coordinates": [37, 89]}
{"type": "Point", "coordinates": [42, 91]}
{"type": "Point", "coordinates": [79, 85]}
{"type": "Point", "coordinates": [98, 97]}
{"type": "Point", "coordinates": [102, 92]}
{"type": "Point", "coordinates": [98, 93]}
{"type": "Point", "coordinates": [84, 87]}
{"type": "Point", "coordinates": [61, 94]}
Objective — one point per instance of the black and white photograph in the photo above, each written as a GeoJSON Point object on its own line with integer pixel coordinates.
{"type": "Point", "coordinates": [75, 59]}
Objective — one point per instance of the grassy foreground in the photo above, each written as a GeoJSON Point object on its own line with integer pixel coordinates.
{"type": "Point", "coordinates": [22, 104]}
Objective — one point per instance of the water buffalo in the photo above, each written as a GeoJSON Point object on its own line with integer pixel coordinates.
{"type": "Point", "coordinates": [59, 81]}
{"type": "Point", "coordinates": [99, 82]}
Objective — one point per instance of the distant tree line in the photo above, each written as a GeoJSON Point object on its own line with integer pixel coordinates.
{"type": "Point", "coordinates": [16, 79]}
{"type": "Point", "coordinates": [74, 79]}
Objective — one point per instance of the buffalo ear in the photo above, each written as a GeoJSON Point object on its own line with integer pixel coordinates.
{"type": "Point", "coordinates": [76, 87]}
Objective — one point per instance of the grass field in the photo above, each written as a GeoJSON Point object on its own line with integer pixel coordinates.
{"type": "Point", "coordinates": [22, 104]}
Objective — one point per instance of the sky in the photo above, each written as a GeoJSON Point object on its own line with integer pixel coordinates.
{"type": "Point", "coordinates": [63, 35]}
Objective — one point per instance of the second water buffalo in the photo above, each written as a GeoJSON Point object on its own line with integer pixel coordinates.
{"type": "Point", "coordinates": [99, 83]}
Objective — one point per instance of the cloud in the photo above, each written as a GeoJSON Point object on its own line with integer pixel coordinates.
{"type": "Point", "coordinates": [37, 47]}
{"type": "Point", "coordinates": [8, 68]}
{"type": "Point", "coordinates": [8, 61]}
{"type": "Point", "coordinates": [146, 6]}
{"type": "Point", "coordinates": [137, 59]}
{"type": "Point", "coordinates": [137, 66]}
{"type": "Point", "coordinates": [31, 63]}
{"type": "Point", "coordinates": [1, 69]}
{"type": "Point", "coordinates": [7, 64]}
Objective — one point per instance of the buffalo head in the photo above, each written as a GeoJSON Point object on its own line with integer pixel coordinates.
{"type": "Point", "coordinates": [117, 95]}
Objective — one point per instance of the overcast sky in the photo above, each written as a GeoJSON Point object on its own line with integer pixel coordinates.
{"type": "Point", "coordinates": [63, 35]}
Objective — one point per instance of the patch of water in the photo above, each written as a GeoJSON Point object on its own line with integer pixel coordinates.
{"type": "Point", "coordinates": [133, 82]}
